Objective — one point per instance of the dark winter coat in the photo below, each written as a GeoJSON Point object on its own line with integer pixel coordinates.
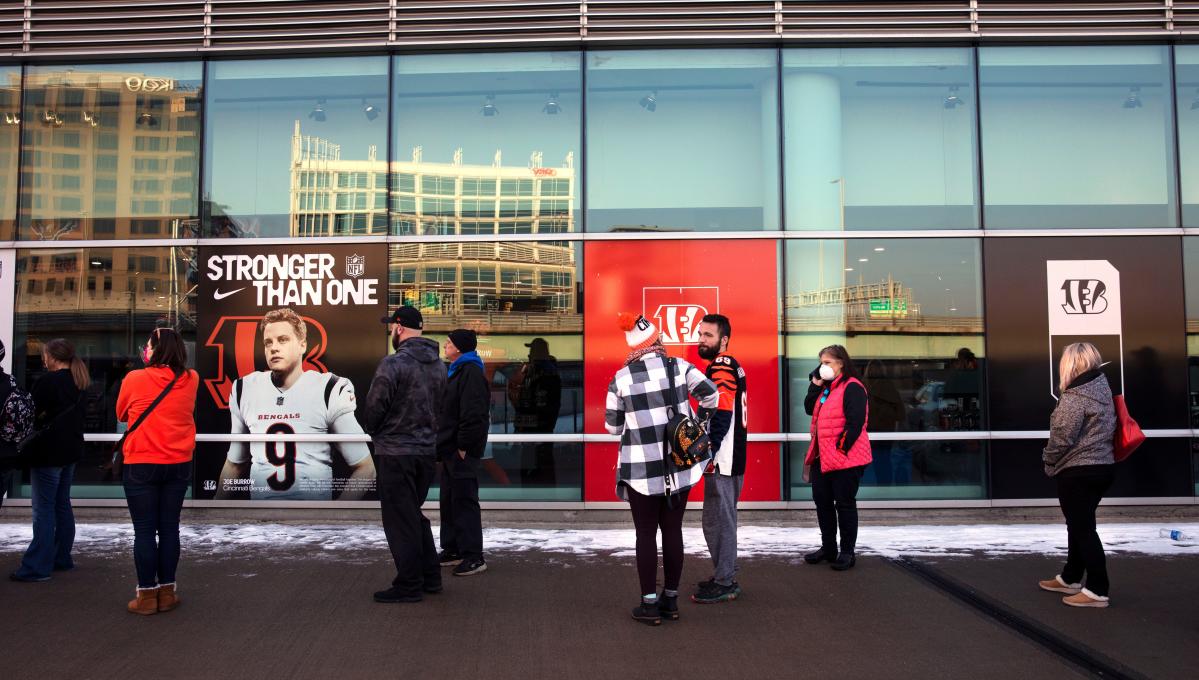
{"type": "Point", "coordinates": [465, 412]}
{"type": "Point", "coordinates": [405, 395]}
{"type": "Point", "coordinates": [1082, 426]}
{"type": "Point", "coordinates": [60, 409]}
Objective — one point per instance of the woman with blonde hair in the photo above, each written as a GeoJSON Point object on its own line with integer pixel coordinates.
{"type": "Point", "coordinates": [58, 416]}
{"type": "Point", "coordinates": [1080, 459]}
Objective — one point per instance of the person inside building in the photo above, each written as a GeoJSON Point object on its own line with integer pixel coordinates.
{"type": "Point", "coordinates": [401, 415]}
{"type": "Point", "coordinates": [726, 473]}
{"type": "Point", "coordinates": [636, 409]}
{"type": "Point", "coordinates": [461, 439]}
{"type": "Point", "coordinates": [9, 456]}
{"type": "Point", "coordinates": [58, 397]}
{"type": "Point", "coordinates": [837, 455]}
{"type": "Point", "coordinates": [158, 404]}
{"type": "Point", "coordinates": [1080, 458]}
{"type": "Point", "coordinates": [536, 394]}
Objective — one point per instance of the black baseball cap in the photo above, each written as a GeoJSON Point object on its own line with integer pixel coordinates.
{"type": "Point", "coordinates": [408, 317]}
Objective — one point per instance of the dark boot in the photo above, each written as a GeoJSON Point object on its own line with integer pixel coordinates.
{"type": "Point", "coordinates": [843, 562]}
{"type": "Point", "coordinates": [668, 607]}
{"type": "Point", "coordinates": [824, 554]}
{"type": "Point", "coordinates": [648, 613]}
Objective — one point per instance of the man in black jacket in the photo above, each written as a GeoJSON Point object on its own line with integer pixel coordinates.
{"type": "Point", "coordinates": [461, 438]}
{"type": "Point", "coordinates": [401, 416]}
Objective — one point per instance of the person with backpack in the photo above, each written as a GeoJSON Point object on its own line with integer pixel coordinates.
{"type": "Point", "coordinates": [1079, 457]}
{"type": "Point", "coordinates": [16, 423]}
{"type": "Point", "coordinates": [158, 404]}
{"type": "Point", "coordinates": [638, 408]}
{"type": "Point", "coordinates": [52, 455]}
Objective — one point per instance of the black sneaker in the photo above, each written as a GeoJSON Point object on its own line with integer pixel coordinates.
{"type": "Point", "coordinates": [648, 613]}
{"type": "Point", "coordinates": [819, 556]}
{"type": "Point", "coordinates": [449, 559]}
{"type": "Point", "coordinates": [471, 567]}
{"type": "Point", "coordinates": [843, 562]}
{"type": "Point", "coordinates": [27, 579]}
{"type": "Point", "coordinates": [705, 585]}
{"type": "Point", "coordinates": [668, 607]}
{"type": "Point", "coordinates": [432, 588]}
{"type": "Point", "coordinates": [717, 593]}
{"type": "Point", "coordinates": [393, 595]}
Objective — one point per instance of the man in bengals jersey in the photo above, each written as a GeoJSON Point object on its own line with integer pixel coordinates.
{"type": "Point", "coordinates": [724, 476]}
{"type": "Point", "coordinates": [286, 399]}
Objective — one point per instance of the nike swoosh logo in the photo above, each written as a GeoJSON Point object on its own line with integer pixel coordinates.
{"type": "Point", "coordinates": [218, 295]}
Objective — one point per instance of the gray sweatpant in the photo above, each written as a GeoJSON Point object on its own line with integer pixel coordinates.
{"type": "Point", "coordinates": [720, 523]}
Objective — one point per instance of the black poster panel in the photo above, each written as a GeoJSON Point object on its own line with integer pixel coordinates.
{"type": "Point", "coordinates": [1124, 294]}
{"type": "Point", "coordinates": [287, 342]}
{"type": "Point", "coordinates": [1161, 468]}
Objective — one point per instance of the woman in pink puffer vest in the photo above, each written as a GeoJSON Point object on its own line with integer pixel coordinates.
{"type": "Point", "coordinates": [838, 454]}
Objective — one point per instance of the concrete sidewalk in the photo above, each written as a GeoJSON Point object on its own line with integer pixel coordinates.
{"type": "Point", "coordinates": [278, 613]}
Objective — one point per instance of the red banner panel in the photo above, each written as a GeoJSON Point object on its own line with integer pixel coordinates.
{"type": "Point", "coordinates": [674, 284]}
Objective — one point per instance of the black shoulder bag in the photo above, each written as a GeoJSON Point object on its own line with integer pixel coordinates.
{"type": "Point", "coordinates": [112, 469]}
{"type": "Point", "coordinates": [24, 444]}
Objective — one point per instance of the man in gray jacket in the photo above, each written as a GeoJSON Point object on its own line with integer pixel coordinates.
{"type": "Point", "coordinates": [401, 416]}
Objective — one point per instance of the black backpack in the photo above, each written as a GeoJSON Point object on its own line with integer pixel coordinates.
{"type": "Point", "coordinates": [16, 416]}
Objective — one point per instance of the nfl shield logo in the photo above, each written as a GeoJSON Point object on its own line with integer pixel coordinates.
{"type": "Point", "coordinates": [355, 265]}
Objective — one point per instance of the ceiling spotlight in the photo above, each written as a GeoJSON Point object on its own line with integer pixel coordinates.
{"type": "Point", "coordinates": [147, 119]}
{"type": "Point", "coordinates": [51, 118]}
{"type": "Point", "coordinates": [489, 106]}
{"type": "Point", "coordinates": [552, 107]}
{"type": "Point", "coordinates": [369, 110]}
{"type": "Point", "coordinates": [318, 111]}
{"type": "Point", "coordinates": [90, 118]}
{"type": "Point", "coordinates": [650, 101]}
{"type": "Point", "coordinates": [1133, 100]}
{"type": "Point", "coordinates": [952, 101]}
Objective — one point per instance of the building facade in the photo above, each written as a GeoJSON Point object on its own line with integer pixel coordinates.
{"type": "Point", "coordinates": [953, 191]}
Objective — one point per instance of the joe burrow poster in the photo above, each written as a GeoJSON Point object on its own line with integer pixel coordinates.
{"type": "Point", "coordinates": [288, 342]}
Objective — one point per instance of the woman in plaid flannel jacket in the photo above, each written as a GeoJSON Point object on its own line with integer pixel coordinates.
{"type": "Point", "coordinates": [636, 410]}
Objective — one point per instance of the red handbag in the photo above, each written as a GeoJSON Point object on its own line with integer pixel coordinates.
{"type": "Point", "coordinates": [1128, 434]}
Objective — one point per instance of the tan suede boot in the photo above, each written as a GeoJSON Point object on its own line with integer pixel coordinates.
{"type": "Point", "coordinates": [146, 602]}
{"type": "Point", "coordinates": [167, 599]}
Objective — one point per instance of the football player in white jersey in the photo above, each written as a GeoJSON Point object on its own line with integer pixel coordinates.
{"type": "Point", "coordinates": [287, 399]}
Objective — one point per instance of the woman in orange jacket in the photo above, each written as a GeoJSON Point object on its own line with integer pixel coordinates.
{"type": "Point", "coordinates": [158, 464]}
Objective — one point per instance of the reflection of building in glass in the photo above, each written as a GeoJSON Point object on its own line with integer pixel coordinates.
{"type": "Point", "coordinates": [516, 286]}
{"type": "Point", "coordinates": [887, 306]}
{"type": "Point", "coordinates": [108, 155]}
{"type": "Point", "coordinates": [332, 197]}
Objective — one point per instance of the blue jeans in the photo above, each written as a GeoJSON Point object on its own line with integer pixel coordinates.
{"type": "Point", "coordinates": [155, 495]}
{"type": "Point", "coordinates": [53, 523]}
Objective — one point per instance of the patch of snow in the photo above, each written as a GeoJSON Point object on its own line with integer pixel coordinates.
{"type": "Point", "coordinates": [367, 542]}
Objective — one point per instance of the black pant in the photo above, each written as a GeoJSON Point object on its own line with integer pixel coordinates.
{"type": "Point", "coordinates": [651, 513]}
{"type": "Point", "coordinates": [836, 497]}
{"type": "Point", "coordinates": [1079, 490]}
{"type": "Point", "coordinates": [155, 495]}
{"type": "Point", "coordinates": [461, 519]}
{"type": "Point", "coordinates": [403, 483]}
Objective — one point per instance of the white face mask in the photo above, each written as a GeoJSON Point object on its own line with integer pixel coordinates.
{"type": "Point", "coordinates": [827, 372]}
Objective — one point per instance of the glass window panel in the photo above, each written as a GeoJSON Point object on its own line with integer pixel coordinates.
{"type": "Point", "coordinates": [1187, 79]}
{"type": "Point", "coordinates": [909, 311]}
{"type": "Point", "coordinates": [116, 119]}
{"type": "Point", "coordinates": [10, 146]}
{"type": "Point", "coordinates": [486, 123]}
{"type": "Point", "coordinates": [647, 112]}
{"type": "Point", "coordinates": [1077, 137]}
{"type": "Point", "coordinates": [911, 470]}
{"type": "Point", "coordinates": [270, 120]}
{"type": "Point", "coordinates": [530, 340]}
{"type": "Point", "coordinates": [880, 138]}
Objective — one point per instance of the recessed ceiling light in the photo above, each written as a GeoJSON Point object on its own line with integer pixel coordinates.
{"type": "Point", "coordinates": [863, 259]}
{"type": "Point", "coordinates": [879, 249]}
{"type": "Point", "coordinates": [849, 269]}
